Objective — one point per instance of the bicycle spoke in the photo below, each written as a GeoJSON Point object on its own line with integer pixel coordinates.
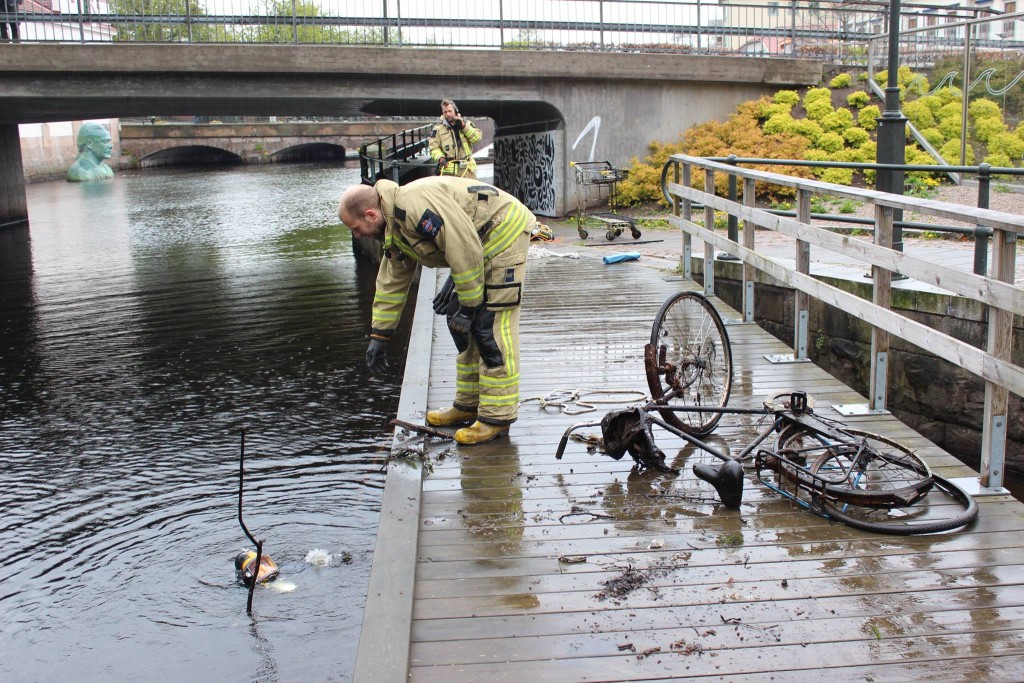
{"type": "Point", "coordinates": [690, 362]}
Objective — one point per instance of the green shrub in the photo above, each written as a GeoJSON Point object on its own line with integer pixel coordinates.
{"type": "Point", "coordinates": [949, 127]}
{"type": "Point", "coordinates": [855, 137]}
{"type": "Point", "coordinates": [988, 128]}
{"type": "Point", "coordinates": [983, 109]}
{"type": "Point", "coordinates": [868, 117]}
{"type": "Point", "coordinates": [951, 153]}
{"type": "Point", "coordinates": [817, 95]}
{"type": "Point", "coordinates": [858, 99]}
{"type": "Point", "coordinates": [780, 123]}
{"type": "Point", "coordinates": [813, 154]}
{"type": "Point", "coordinates": [870, 150]}
{"type": "Point", "coordinates": [934, 136]}
{"type": "Point", "coordinates": [809, 129]}
{"type": "Point", "coordinates": [840, 81]}
{"type": "Point", "coordinates": [830, 142]}
{"type": "Point", "coordinates": [767, 110]}
{"type": "Point", "coordinates": [949, 94]}
{"type": "Point", "coordinates": [790, 97]}
{"type": "Point", "coordinates": [933, 103]}
{"type": "Point", "coordinates": [862, 76]}
{"type": "Point", "coordinates": [838, 176]}
{"type": "Point", "coordinates": [999, 159]}
{"type": "Point", "coordinates": [818, 109]}
{"type": "Point", "coordinates": [1019, 132]}
{"type": "Point", "coordinates": [1008, 144]}
{"type": "Point", "coordinates": [919, 113]}
{"type": "Point", "coordinates": [838, 121]}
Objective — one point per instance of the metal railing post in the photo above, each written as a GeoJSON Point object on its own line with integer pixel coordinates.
{"type": "Point", "coordinates": [749, 273]}
{"type": "Point", "coordinates": [1000, 345]}
{"type": "Point", "coordinates": [188, 19]}
{"type": "Point", "coordinates": [966, 95]}
{"type": "Point", "coordinates": [295, 22]}
{"type": "Point", "coordinates": [385, 37]}
{"type": "Point", "coordinates": [81, 24]}
{"type": "Point", "coordinates": [709, 224]}
{"type": "Point", "coordinates": [803, 266]}
{"type": "Point", "coordinates": [980, 234]}
{"type": "Point", "coordinates": [398, 20]}
{"type": "Point", "coordinates": [698, 26]}
{"type": "Point", "coordinates": [501, 24]}
{"type": "Point", "coordinates": [686, 255]}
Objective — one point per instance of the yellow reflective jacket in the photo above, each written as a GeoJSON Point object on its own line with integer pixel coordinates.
{"type": "Point", "coordinates": [442, 222]}
{"type": "Point", "coordinates": [443, 143]}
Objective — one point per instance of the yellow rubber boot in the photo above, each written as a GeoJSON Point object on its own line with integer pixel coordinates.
{"type": "Point", "coordinates": [479, 432]}
{"type": "Point", "coordinates": [447, 417]}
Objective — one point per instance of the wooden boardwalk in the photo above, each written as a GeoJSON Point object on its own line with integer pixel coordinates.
{"type": "Point", "coordinates": [503, 564]}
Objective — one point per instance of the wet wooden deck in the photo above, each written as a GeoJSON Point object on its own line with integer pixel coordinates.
{"type": "Point", "coordinates": [471, 565]}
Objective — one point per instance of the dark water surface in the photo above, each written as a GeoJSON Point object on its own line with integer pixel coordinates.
{"type": "Point", "coordinates": [143, 323]}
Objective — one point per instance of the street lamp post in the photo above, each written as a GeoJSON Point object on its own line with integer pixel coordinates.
{"type": "Point", "coordinates": [892, 126]}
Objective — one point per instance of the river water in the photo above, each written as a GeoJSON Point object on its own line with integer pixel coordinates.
{"type": "Point", "coordinates": [144, 323]}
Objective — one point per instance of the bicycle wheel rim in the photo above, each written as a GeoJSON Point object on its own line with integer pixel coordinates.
{"type": "Point", "coordinates": [689, 363]}
{"type": "Point", "coordinates": [944, 508]}
{"type": "Point", "coordinates": [866, 470]}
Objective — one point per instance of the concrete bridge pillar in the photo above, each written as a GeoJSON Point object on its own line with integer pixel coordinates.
{"type": "Point", "coordinates": [13, 204]}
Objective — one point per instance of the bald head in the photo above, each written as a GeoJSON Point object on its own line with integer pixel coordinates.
{"type": "Point", "coordinates": [359, 209]}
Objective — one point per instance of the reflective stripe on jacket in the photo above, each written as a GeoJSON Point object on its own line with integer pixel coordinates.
{"type": "Point", "coordinates": [442, 222]}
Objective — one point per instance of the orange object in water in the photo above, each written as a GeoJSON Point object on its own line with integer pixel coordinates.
{"type": "Point", "coordinates": [245, 562]}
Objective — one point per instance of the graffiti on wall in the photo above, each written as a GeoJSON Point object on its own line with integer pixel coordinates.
{"type": "Point", "coordinates": [594, 125]}
{"type": "Point", "coordinates": [524, 166]}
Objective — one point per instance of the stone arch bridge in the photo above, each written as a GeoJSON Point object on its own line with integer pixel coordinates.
{"type": "Point", "coordinates": [144, 145]}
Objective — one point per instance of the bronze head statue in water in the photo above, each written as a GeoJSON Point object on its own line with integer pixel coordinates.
{"type": "Point", "coordinates": [93, 147]}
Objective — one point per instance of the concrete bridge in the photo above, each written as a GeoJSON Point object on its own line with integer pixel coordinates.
{"type": "Point", "coordinates": [549, 107]}
{"type": "Point", "coordinates": [157, 145]}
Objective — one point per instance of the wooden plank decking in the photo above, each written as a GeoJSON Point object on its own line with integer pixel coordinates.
{"type": "Point", "coordinates": [767, 592]}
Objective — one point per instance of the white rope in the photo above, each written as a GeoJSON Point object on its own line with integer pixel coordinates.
{"type": "Point", "coordinates": [576, 402]}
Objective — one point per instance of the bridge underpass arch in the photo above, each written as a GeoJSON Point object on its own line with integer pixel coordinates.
{"type": "Point", "coordinates": [311, 151]}
{"type": "Point", "coordinates": [190, 155]}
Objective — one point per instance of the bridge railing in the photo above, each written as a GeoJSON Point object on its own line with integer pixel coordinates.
{"type": "Point", "coordinates": [997, 293]}
{"type": "Point", "coordinates": [799, 28]}
{"type": "Point", "coordinates": [387, 156]}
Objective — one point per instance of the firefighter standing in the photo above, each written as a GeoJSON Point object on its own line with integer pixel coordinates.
{"type": "Point", "coordinates": [451, 143]}
{"type": "Point", "coordinates": [483, 235]}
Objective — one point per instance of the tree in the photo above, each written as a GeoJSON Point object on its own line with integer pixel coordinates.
{"type": "Point", "coordinates": [161, 21]}
{"type": "Point", "coordinates": [300, 21]}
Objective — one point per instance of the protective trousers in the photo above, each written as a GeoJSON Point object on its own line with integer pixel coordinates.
{"type": "Point", "coordinates": [487, 372]}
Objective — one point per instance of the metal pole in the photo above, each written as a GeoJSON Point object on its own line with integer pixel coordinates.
{"type": "Point", "coordinates": [966, 98]}
{"type": "Point", "coordinates": [980, 234]}
{"type": "Point", "coordinates": [384, 23]}
{"type": "Point", "coordinates": [698, 26]}
{"type": "Point", "coordinates": [892, 126]}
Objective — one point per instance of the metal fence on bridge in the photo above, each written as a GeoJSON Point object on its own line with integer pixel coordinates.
{"type": "Point", "coordinates": [798, 28]}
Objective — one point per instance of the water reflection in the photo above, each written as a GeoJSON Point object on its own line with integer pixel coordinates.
{"type": "Point", "coordinates": [143, 322]}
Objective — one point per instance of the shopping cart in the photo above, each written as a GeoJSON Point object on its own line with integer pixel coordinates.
{"type": "Point", "coordinates": [595, 182]}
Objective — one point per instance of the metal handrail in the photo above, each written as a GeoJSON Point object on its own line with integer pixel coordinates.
{"type": "Point", "coordinates": [984, 172]}
{"type": "Point", "coordinates": [392, 153]}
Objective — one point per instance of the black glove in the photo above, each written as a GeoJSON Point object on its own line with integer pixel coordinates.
{"type": "Point", "coordinates": [482, 331]}
{"type": "Point", "coordinates": [441, 300]}
{"type": "Point", "coordinates": [462, 320]}
{"type": "Point", "coordinates": [376, 361]}
{"type": "Point", "coordinates": [461, 340]}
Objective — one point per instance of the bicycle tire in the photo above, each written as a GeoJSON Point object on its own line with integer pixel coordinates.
{"type": "Point", "coordinates": [957, 508]}
{"type": "Point", "coordinates": [689, 362]}
{"type": "Point", "coordinates": [888, 474]}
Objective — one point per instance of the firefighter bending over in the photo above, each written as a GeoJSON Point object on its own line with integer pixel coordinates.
{"type": "Point", "coordinates": [483, 235]}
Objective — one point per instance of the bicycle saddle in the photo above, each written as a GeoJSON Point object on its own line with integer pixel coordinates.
{"type": "Point", "coordinates": [727, 478]}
